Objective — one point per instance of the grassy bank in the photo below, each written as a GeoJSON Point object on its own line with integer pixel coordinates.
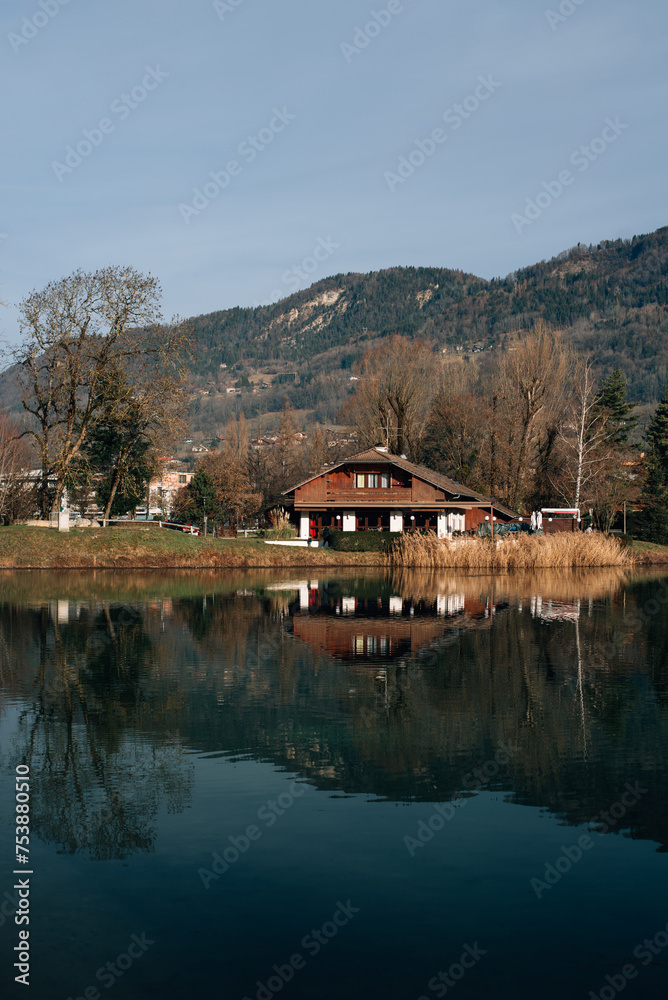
{"type": "Point", "coordinates": [24, 547]}
{"type": "Point", "coordinates": [648, 552]}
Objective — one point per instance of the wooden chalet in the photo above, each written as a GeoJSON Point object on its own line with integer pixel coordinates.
{"type": "Point", "coordinates": [377, 491]}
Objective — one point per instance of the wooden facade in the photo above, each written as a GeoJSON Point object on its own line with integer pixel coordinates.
{"type": "Point", "coordinates": [377, 491]}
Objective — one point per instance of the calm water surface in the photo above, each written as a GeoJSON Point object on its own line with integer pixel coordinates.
{"type": "Point", "coordinates": [337, 787]}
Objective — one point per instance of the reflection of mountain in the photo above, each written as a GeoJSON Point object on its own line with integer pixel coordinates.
{"type": "Point", "coordinates": [581, 689]}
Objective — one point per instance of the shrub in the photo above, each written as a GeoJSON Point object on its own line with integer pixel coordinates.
{"type": "Point", "coordinates": [280, 534]}
{"type": "Point", "coordinates": [361, 541]}
{"type": "Point", "coordinates": [281, 528]}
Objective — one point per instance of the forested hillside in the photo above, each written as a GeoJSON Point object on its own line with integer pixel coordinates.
{"type": "Point", "coordinates": [611, 300]}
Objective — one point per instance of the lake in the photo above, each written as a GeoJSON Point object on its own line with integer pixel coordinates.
{"type": "Point", "coordinates": [335, 786]}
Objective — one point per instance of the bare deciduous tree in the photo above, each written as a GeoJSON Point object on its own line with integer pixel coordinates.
{"type": "Point", "coordinates": [236, 440]}
{"type": "Point", "coordinates": [319, 454]}
{"type": "Point", "coordinates": [286, 459]}
{"type": "Point", "coordinates": [398, 381]}
{"type": "Point", "coordinates": [532, 378]}
{"type": "Point", "coordinates": [458, 430]}
{"type": "Point", "coordinates": [582, 435]}
{"type": "Point", "coordinates": [17, 494]}
{"type": "Point", "coordinates": [74, 331]}
{"type": "Point", "coordinates": [611, 486]}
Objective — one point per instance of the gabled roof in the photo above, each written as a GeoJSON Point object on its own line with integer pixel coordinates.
{"type": "Point", "coordinates": [370, 455]}
{"type": "Point", "coordinates": [377, 455]}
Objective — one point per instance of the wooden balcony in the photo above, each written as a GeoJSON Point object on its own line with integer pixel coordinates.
{"type": "Point", "coordinates": [398, 495]}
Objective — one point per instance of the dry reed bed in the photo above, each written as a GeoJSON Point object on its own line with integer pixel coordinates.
{"type": "Point", "coordinates": [510, 554]}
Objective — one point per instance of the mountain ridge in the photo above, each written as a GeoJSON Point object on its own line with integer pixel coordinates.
{"type": "Point", "coordinates": [610, 299]}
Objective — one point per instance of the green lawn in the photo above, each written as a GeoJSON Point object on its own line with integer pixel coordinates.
{"type": "Point", "coordinates": [107, 548]}
{"type": "Point", "coordinates": [648, 550]}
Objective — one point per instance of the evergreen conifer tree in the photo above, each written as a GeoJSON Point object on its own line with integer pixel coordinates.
{"type": "Point", "coordinates": [657, 433]}
{"type": "Point", "coordinates": [617, 410]}
{"type": "Point", "coordinates": [653, 519]}
{"type": "Point", "coordinates": [199, 498]}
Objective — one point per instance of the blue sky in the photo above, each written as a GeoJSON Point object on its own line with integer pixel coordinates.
{"type": "Point", "coordinates": [332, 94]}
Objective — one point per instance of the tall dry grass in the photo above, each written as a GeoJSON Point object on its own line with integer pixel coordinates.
{"type": "Point", "coordinates": [281, 528]}
{"type": "Point", "coordinates": [507, 555]}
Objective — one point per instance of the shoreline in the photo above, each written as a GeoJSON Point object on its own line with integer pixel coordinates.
{"type": "Point", "coordinates": [33, 549]}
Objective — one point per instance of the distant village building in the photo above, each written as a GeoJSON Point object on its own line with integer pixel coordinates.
{"type": "Point", "coordinates": [167, 484]}
{"type": "Point", "coordinates": [377, 491]}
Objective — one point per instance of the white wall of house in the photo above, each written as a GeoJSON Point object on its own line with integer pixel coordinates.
{"type": "Point", "coordinates": [349, 520]}
{"type": "Point", "coordinates": [442, 526]}
{"type": "Point", "coordinates": [396, 520]}
{"type": "Point", "coordinates": [456, 522]}
{"type": "Point", "coordinates": [304, 524]}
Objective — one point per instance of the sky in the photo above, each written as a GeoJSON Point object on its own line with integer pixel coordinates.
{"type": "Point", "coordinates": [241, 149]}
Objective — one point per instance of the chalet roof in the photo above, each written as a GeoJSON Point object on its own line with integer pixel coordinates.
{"type": "Point", "coordinates": [376, 456]}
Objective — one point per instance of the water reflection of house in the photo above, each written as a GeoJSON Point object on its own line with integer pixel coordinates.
{"type": "Point", "coordinates": [374, 629]}
{"type": "Point", "coordinates": [553, 610]}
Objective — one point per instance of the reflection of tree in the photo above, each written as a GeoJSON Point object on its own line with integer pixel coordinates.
{"type": "Point", "coordinates": [105, 811]}
{"type": "Point", "coordinates": [539, 675]}
{"type": "Point", "coordinates": [578, 686]}
{"type": "Point", "coordinates": [97, 780]}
